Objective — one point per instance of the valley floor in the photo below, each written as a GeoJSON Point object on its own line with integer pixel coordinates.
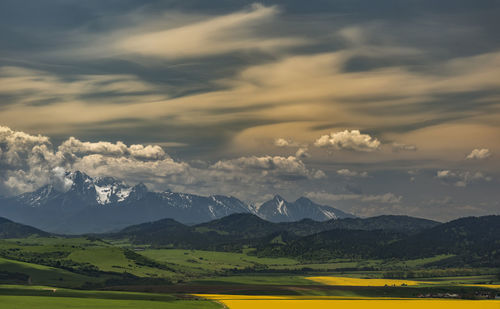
{"type": "Point", "coordinates": [85, 272]}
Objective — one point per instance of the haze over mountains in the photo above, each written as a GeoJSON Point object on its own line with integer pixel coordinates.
{"type": "Point", "coordinates": [93, 205]}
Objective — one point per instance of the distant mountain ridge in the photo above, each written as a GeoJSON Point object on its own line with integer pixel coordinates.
{"type": "Point", "coordinates": [102, 204]}
{"type": "Point", "coordinates": [238, 230]}
{"type": "Point", "coordinates": [465, 242]}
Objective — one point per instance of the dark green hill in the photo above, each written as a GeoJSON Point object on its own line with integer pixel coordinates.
{"type": "Point", "coordinates": [335, 243]}
{"type": "Point", "coordinates": [236, 231]}
{"type": "Point", "coordinates": [10, 229]}
{"type": "Point", "coordinates": [228, 233]}
{"type": "Point", "coordinates": [240, 226]}
{"type": "Point", "coordinates": [165, 232]}
{"type": "Point", "coordinates": [471, 242]}
{"type": "Point", "coordinates": [152, 228]}
{"type": "Point", "coordinates": [402, 224]}
{"type": "Point", "coordinates": [474, 240]}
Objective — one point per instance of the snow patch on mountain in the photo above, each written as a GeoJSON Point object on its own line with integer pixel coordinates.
{"type": "Point", "coordinates": [282, 208]}
{"type": "Point", "coordinates": [103, 195]}
{"type": "Point", "coordinates": [329, 214]}
{"type": "Point", "coordinates": [123, 194]}
{"type": "Point", "coordinates": [104, 203]}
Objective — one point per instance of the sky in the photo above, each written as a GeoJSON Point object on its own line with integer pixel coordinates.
{"type": "Point", "coordinates": [372, 107]}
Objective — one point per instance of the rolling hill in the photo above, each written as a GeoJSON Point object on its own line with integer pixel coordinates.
{"type": "Point", "coordinates": [473, 241]}
{"type": "Point", "coordinates": [238, 230]}
{"type": "Point", "coordinates": [10, 229]}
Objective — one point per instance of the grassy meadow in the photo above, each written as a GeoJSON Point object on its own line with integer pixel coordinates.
{"type": "Point", "coordinates": [85, 272]}
{"type": "Point", "coordinates": [20, 297]}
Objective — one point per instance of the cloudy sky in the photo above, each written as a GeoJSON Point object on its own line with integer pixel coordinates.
{"type": "Point", "coordinates": [374, 107]}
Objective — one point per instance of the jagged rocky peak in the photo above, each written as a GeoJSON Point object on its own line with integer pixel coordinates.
{"type": "Point", "coordinates": [106, 203]}
{"type": "Point", "coordinates": [277, 207]}
{"type": "Point", "coordinates": [279, 201]}
{"type": "Point", "coordinates": [102, 190]}
{"type": "Point", "coordinates": [78, 177]}
{"type": "Point", "coordinates": [138, 191]}
{"type": "Point", "coordinates": [280, 210]}
{"type": "Point", "coordinates": [82, 183]}
{"type": "Point", "coordinates": [278, 198]}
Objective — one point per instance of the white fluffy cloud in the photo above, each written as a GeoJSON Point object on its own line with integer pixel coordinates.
{"type": "Point", "coordinates": [348, 140]}
{"type": "Point", "coordinates": [76, 147]}
{"type": "Point", "coordinates": [479, 154]}
{"type": "Point", "coordinates": [24, 160]}
{"type": "Point", "coordinates": [281, 142]}
{"type": "Point", "coordinates": [302, 151]}
{"type": "Point", "coordinates": [461, 178]}
{"type": "Point", "coordinates": [282, 167]}
{"type": "Point", "coordinates": [30, 161]}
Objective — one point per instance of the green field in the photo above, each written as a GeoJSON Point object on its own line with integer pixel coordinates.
{"type": "Point", "coordinates": [45, 275]}
{"type": "Point", "coordinates": [21, 297]}
{"type": "Point", "coordinates": [80, 272]}
{"type": "Point", "coordinates": [111, 259]}
{"type": "Point", "coordinates": [13, 302]}
{"type": "Point", "coordinates": [215, 261]}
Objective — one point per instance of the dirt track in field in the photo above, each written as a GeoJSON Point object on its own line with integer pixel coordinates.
{"type": "Point", "coordinates": [257, 289]}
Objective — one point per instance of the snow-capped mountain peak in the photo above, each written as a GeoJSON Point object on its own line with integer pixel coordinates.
{"type": "Point", "coordinates": [280, 210]}
{"type": "Point", "coordinates": [109, 190]}
{"type": "Point", "coordinates": [104, 203]}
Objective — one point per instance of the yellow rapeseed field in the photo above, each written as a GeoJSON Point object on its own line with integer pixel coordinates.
{"type": "Point", "coordinates": [291, 302]}
{"type": "Point", "coordinates": [491, 286]}
{"type": "Point", "coordinates": [363, 282]}
{"type": "Point", "coordinates": [346, 281]}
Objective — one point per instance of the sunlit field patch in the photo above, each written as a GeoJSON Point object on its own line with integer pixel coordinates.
{"type": "Point", "coordinates": [346, 281]}
{"type": "Point", "coordinates": [295, 302]}
{"type": "Point", "coordinates": [364, 282]}
{"type": "Point", "coordinates": [491, 286]}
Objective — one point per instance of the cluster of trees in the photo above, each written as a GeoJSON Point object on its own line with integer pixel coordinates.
{"type": "Point", "coordinates": [471, 242]}
{"type": "Point", "coordinates": [144, 261]}
{"type": "Point", "coordinates": [58, 259]}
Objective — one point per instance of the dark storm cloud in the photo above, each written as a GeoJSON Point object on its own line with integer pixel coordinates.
{"type": "Point", "coordinates": [418, 76]}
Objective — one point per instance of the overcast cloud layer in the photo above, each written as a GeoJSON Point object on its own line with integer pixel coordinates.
{"type": "Point", "coordinates": [371, 107]}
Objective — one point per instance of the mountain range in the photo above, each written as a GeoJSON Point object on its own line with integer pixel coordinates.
{"type": "Point", "coordinates": [103, 204]}
{"type": "Point", "coordinates": [236, 231]}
